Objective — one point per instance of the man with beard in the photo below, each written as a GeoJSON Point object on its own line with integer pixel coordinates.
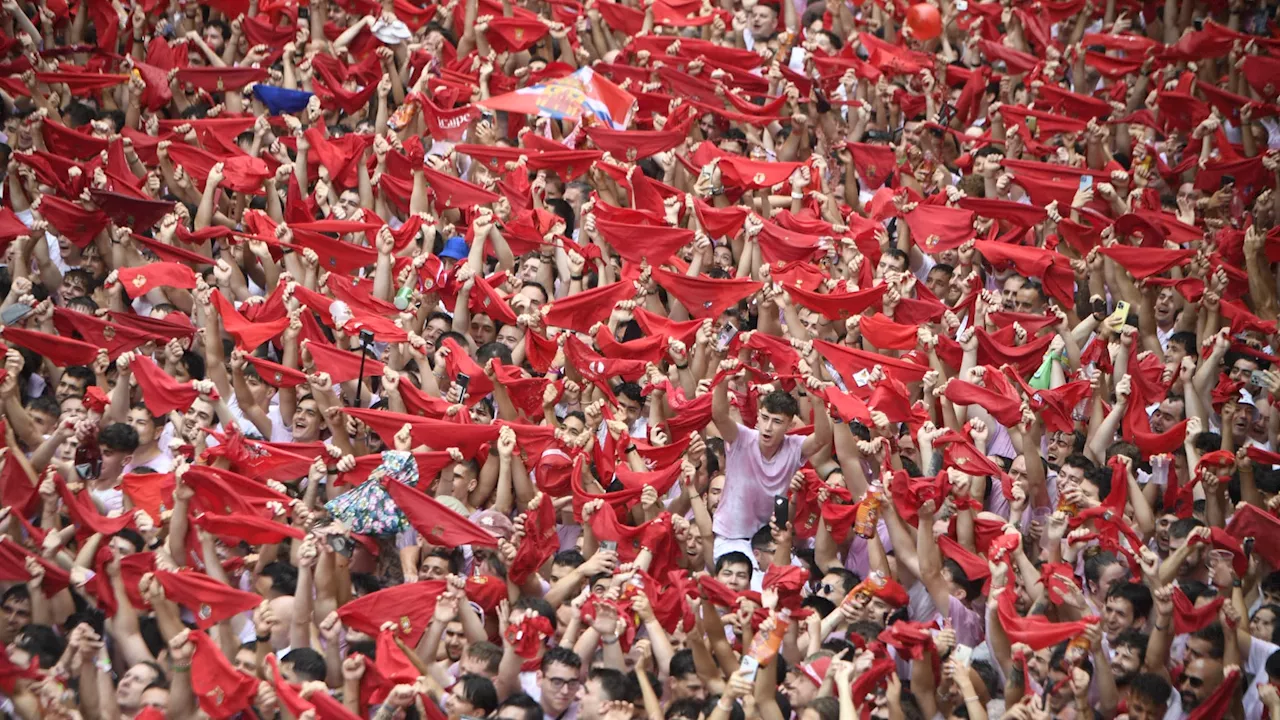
{"type": "Point", "coordinates": [1128, 650]}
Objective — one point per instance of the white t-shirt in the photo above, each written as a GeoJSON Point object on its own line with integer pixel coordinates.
{"type": "Point", "coordinates": [1259, 651]}
{"type": "Point", "coordinates": [752, 482]}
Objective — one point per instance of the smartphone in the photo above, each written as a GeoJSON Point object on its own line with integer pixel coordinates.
{"type": "Point", "coordinates": [781, 511]}
{"type": "Point", "coordinates": [1258, 377]}
{"type": "Point", "coordinates": [1033, 125]}
{"type": "Point", "coordinates": [963, 654]}
{"type": "Point", "coordinates": [610, 545]}
{"type": "Point", "coordinates": [464, 381]}
{"type": "Point", "coordinates": [1120, 315]}
{"type": "Point", "coordinates": [1086, 182]}
{"type": "Point", "coordinates": [1247, 544]}
{"type": "Point", "coordinates": [615, 486]}
{"type": "Point", "coordinates": [948, 110]}
{"type": "Point", "coordinates": [1228, 179]}
{"type": "Point", "coordinates": [962, 5]}
{"type": "Point", "coordinates": [727, 333]}
{"type": "Point", "coordinates": [1198, 23]}
{"type": "Point", "coordinates": [749, 666]}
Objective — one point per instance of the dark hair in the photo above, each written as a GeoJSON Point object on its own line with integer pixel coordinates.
{"type": "Point", "coordinates": [538, 605]}
{"type": "Point", "coordinates": [307, 663]}
{"type": "Point", "coordinates": [1095, 564]}
{"type": "Point", "coordinates": [897, 254]}
{"type": "Point", "coordinates": [45, 404]}
{"type": "Point", "coordinates": [1079, 461]}
{"type": "Point", "coordinates": [562, 655]}
{"type": "Point", "coordinates": [629, 390]}
{"type": "Point", "coordinates": [480, 692]}
{"type": "Point", "coordinates": [545, 295]}
{"type": "Point", "coordinates": [572, 558]}
{"type": "Point", "coordinates": [1138, 595]}
{"type": "Point", "coordinates": [1100, 477]}
{"type": "Point", "coordinates": [488, 653]}
{"type": "Point", "coordinates": [492, 350]}
{"type": "Point", "coordinates": [734, 558]}
{"type": "Point", "coordinates": [1152, 687]}
{"type": "Point", "coordinates": [119, 437]}
{"type": "Point", "coordinates": [284, 577]}
{"type": "Point", "coordinates": [818, 604]}
{"type": "Point", "coordinates": [685, 709]}
{"type": "Point", "coordinates": [194, 364]}
{"type": "Point", "coordinates": [682, 664]}
{"type": "Point", "coordinates": [1135, 639]}
{"type": "Point", "coordinates": [1182, 527]}
{"type": "Point", "coordinates": [1215, 636]}
{"type": "Point", "coordinates": [532, 709]}
{"type": "Point", "coordinates": [780, 402]}
{"type": "Point", "coordinates": [134, 538]}
{"type": "Point", "coordinates": [449, 556]}
{"type": "Point", "coordinates": [1186, 339]}
{"type": "Point", "coordinates": [43, 643]}
{"type": "Point", "coordinates": [17, 593]}
{"type": "Point", "coordinates": [613, 683]}
{"type": "Point", "coordinates": [83, 373]}
{"type": "Point", "coordinates": [1273, 665]}
{"type": "Point", "coordinates": [848, 578]}
{"type": "Point", "coordinates": [762, 539]}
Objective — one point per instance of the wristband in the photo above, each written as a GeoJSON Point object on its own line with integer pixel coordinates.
{"type": "Point", "coordinates": [631, 448]}
{"type": "Point", "coordinates": [576, 277]}
{"type": "Point", "coordinates": [264, 638]}
{"type": "Point", "coordinates": [607, 640]}
{"type": "Point", "coordinates": [182, 668]}
{"type": "Point", "coordinates": [683, 367]}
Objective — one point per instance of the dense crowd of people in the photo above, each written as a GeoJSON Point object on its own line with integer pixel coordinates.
{"type": "Point", "coordinates": [599, 360]}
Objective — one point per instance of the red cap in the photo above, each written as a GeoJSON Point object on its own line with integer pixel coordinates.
{"type": "Point", "coordinates": [209, 600]}
{"type": "Point", "coordinates": [161, 393]}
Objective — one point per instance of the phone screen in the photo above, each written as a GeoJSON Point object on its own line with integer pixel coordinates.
{"type": "Point", "coordinates": [1086, 182]}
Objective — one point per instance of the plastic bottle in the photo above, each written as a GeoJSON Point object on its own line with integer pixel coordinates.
{"type": "Point", "coordinates": [867, 516]}
{"type": "Point", "coordinates": [764, 648]}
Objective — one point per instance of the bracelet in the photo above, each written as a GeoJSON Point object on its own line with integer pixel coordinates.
{"type": "Point", "coordinates": [1162, 628]}
{"type": "Point", "coordinates": [182, 668]}
{"type": "Point", "coordinates": [970, 698]}
{"type": "Point", "coordinates": [797, 196]}
{"type": "Point", "coordinates": [727, 708]}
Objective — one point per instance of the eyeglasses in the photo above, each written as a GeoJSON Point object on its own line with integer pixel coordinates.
{"type": "Point", "coordinates": [562, 684]}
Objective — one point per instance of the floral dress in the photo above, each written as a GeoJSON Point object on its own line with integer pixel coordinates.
{"type": "Point", "coordinates": [369, 509]}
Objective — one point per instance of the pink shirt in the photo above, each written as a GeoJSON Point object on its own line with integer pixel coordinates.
{"type": "Point", "coordinates": [752, 482]}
